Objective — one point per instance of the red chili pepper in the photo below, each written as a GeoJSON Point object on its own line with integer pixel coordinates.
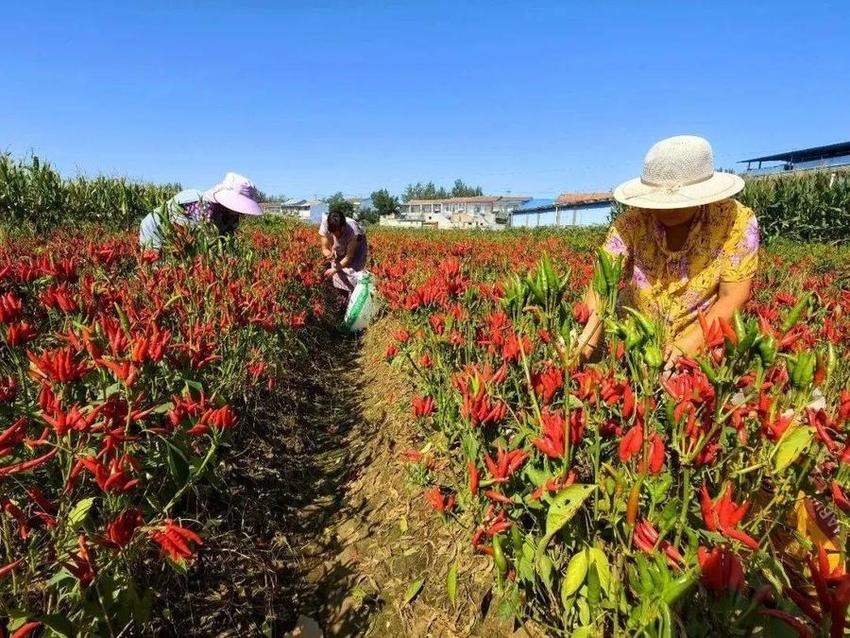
{"type": "Point", "coordinates": [27, 629]}
{"type": "Point", "coordinates": [14, 434]}
{"type": "Point", "coordinates": [496, 496]}
{"type": "Point", "coordinates": [8, 569]}
{"type": "Point", "coordinates": [804, 603]}
{"type": "Point", "coordinates": [631, 509]}
{"type": "Point", "coordinates": [27, 465]}
{"type": "Point", "coordinates": [18, 515]}
{"type": "Point", "coordinates": [840, 499]}
{"type": "Point", "coordinates": [721, 569]}
{"type": "Point", "coordinates": [728, 330]}
{"type": "Point", "coordinates": [628, 401]}
{"type": "Point", "coordinates": [631, 443]}
{"type": "Point", "coordinates": [473, 477]}
{"type": "Point", "coordinates": [802, 630]}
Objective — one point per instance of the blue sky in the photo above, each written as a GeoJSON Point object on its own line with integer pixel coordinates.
{"type": "Point", "coordinates": [313, 97]}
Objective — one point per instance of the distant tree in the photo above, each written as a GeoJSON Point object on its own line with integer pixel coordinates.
{"type": "Point", "coordinates": [368, 216]}
{"type": "Point", "coordinates": [338, 202]}
{"type": "Point", "coordinates": [429, 191]}
{"type": "Point", "coordinates": [423, 191]}
{"type": "Point", "coordinates": [336, 197]}
{"type": "Point", "coordinates": [384, 203]}
{"type": "Point", "coordinates": [265, 197]}
{"type": "Point", "coordinates": [464, 190]}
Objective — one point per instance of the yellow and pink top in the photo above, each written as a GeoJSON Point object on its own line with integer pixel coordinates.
{"type": "Point", "coordinates": [675, 286]}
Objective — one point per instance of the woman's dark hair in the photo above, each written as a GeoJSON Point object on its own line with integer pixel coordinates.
{"type": "Point", "coordinates": [336, 219]}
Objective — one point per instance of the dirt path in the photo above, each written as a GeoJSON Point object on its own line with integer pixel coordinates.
{"type": "Point", "coordinates": [379, 537]}
{"type": "Point", "coordinates": [313, 525]}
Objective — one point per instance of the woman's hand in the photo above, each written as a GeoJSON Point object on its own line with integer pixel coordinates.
{"type": "Point", "coordinates": [672, 354]}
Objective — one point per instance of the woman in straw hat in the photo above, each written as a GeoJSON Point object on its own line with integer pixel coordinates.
{"type": "Point", "coordinates": [688, 246]}
{"type": "Point", "coordinates": [222, 206]}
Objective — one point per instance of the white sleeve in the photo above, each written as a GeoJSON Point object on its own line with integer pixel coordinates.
{"type": "Point", "coordinates": [323, 226]}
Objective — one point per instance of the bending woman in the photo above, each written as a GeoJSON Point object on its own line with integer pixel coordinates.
{"type": "Point", "coordinates": [688, 245]}
{"type": "Point", "coordinates": [221, 206]}
{"type": "Point", "coordinates": [344, 243]}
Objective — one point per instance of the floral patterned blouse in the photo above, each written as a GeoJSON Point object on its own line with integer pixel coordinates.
{"type": "Point", "coordinates": [674, 286]}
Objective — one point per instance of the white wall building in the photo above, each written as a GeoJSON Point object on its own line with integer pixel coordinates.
{"type": "Point", "coordinates": [487, 212]}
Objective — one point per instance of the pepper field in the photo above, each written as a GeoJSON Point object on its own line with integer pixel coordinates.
{"type": "Point", "coordinates": [187, 447]}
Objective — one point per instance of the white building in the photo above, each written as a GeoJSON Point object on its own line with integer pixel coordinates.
{"type": "Point", "coordinates": [308, 210]}
{"type": "Point", "coordinates": [487, 212]}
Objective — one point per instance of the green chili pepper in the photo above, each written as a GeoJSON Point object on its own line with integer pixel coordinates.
{"type": "Point", "coordinates": [594, 590]}
{"type": "Point", "coordinates": [617, 327]}
{"type": "Point", "coordinates": [658, 573]}
{"type": "Point", "coordinates": [808, 373]}
{"type": "Point", "coordinates": [633, 338]}
{"type": "Point", "coordinates": [607, 268]}
{"type": "Point", "coordinates": [634, 579]}
{"type": "Point", "coordinates": [600, 286]}
{"type": "Point", "coordinates": [499, 557]}
{"type": "Point", "coordinates": [831, 362]}
{"type": "Point", "coordinates": [122, 318]}
{"type": "Point", "coordinates": [801, 369]}
{"type": "Point", "coordinates": [708, 370]}
{"type": "Point", "coordinates": [793, 364]}
{"type": "Point", "coordinates": [516, 539]}
{"type": "Point", "coordinates": [645, 577]}
{"type": "Point", "coordinates": [767, 350]}
{"type": "Point", "coordinates": [653, 357]}
{"type": "Point", "coordinates": [745, 331]}
{"type": "Point", "coordinates": [738, 325]}
{"type": "Point", "coordinates": [645, 324]}
{"type": "Point", "coordinates": [678, 587]}
{"type": "Point", "coordinates": [616, 271]}
{"type": "Point", "coordinates": [669, 410]}
{"type": "Point", "coordinates": [794, 313]}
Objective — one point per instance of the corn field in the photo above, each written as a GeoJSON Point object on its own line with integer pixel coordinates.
{"type": "Point", "coordinates": [812, 206]}
{"type": "Point", "coordinates": [33, 193]}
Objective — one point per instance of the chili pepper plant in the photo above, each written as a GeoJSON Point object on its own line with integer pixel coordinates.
{"type": "Point", "coordinates": [123, 374]}
{"type": "Point", "coordinates": [615, 498]}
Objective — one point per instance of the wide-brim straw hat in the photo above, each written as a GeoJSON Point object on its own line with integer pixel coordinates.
{"type": "Point", "coordinates": [678, 172]}
{"type": "Point", "coordinates": [237, 193]}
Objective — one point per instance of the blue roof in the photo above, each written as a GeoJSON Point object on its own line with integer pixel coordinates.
{"type": "Point", "coordinates": [536, 203]}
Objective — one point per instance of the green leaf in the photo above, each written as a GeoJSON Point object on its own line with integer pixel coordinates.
{"type": "Point", "coordinates": [575, 575]}
{"type": "Point", "coordinates": [413, 590]}
{"type": "Point", "coordinates": [59, 624]}
{"type": "Point", "coordinates": [77, 516]}
{"type": "Point", "coordinates": [178, 465]}
{"type": "Point", "coordinates": [525, 563]}
{"type": "Point", "coordinates": [545, 568]}
{"type": "Point", "coordinates": [573, 402]}
{"type": "Point", "coordinates": [564, 506]}
{"type": "Point", "coordinates": [163, 408]}
{"type": "Point", "coordinates": [451, 583]}
{"type": "Point", "coordinates": [536, 476]}
{"type": "Point", "coordinates": [603, 569]}
{"type": "Point", "coordinates": [792, 444]}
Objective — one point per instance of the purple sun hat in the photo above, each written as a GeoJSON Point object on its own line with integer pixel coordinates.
{"type": "Point", "coordinates": [237, 193]}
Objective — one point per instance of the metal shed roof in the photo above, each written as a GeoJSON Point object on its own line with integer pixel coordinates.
{"type": "Point", "coordinates": [805, 154]}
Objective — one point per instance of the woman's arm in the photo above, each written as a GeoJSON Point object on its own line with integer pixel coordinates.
{"type": "Point", "coordinates": [327, 246]}
{"type": "Point", "coordinates": [593, 329]}
{"type": "Point", "coordinates": [731, 296]}
{"type": "Point", "coordinates": [350, 251]}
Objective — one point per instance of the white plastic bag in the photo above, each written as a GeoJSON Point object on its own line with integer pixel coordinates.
{"type": "Point", "coordinates": [363, 304]}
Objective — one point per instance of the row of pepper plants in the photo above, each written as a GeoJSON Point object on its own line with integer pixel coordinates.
{"type": "Point", "coordinates": [123, 375]}
{"type": "Point", "coordinates": [615, 499]}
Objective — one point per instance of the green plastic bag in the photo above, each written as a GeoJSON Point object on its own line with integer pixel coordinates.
{"type": "Point", "coordinates": [363, 304]}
